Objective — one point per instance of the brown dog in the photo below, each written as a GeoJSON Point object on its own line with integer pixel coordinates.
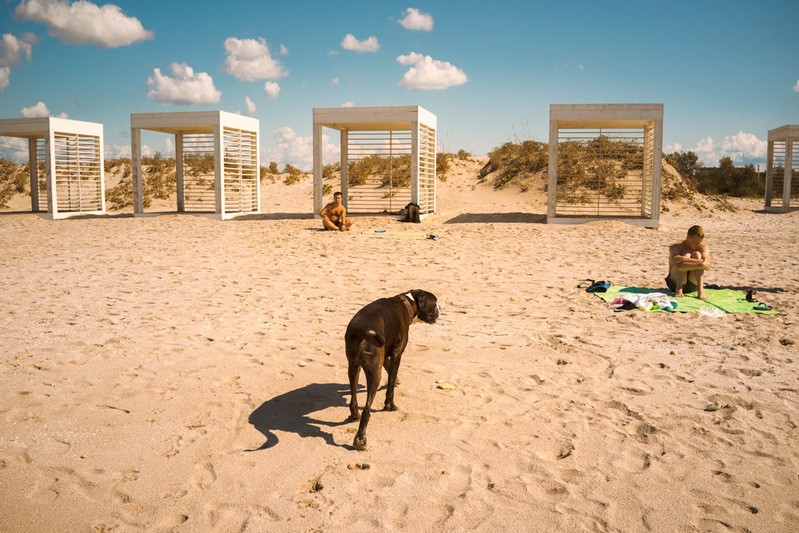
{"type": "Point", "coordinates": [375, 338]}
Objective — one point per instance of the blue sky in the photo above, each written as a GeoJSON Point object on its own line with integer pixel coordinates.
{"type": "Point", "coordinates": [726, 71]}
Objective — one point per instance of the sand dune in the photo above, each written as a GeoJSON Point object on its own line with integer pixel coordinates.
{"type": "Point", "coordinates": [183, 374]}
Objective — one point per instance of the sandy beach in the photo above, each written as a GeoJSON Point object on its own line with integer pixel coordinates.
{"type": "Point", "coordinates": [178, 373]}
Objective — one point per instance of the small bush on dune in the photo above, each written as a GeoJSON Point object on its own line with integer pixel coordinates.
{"type": "Point", "coordinates": [442, 165]}
{"type": "Point", "coordinates": [329, 171]}
{"type": "Point", "coordinates": [158, 181]}
{"type": "Point", "coordinates": [515, 160]}
{"type": "Point", "coordinates": [14, 179]}
{"type": "Point", "coordinates": [293, 174]}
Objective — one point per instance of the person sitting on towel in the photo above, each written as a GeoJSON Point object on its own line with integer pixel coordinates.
{"type": "Point", "coordinates": [334, 215]}
{"type": "Point", "coordinates": [688, 261]}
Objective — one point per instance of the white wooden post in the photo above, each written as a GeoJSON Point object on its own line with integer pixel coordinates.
{"type": "Point", "coordinates": [415, 162]}
{"type": "Point", "coordinates": [101, 162]}
{"type": "Point", "coordinates": [136, 177]}
{"type": "Point", "coordinates": [52, 193]}
{"type": "Point", "coordinates": [33, 163]}
{"type": "Point", "coordinates": [344, 160]}
{"type": "Point", "coordinates": [219, 175]}
{"type": "Point", "coordinates": [179, 173]}
{"type": "Point", "coordinates": [317, 169]}
{"type": "Point", "coordinates": [788, 175]}
{"type": "Point", "coordinates": [257, 171]}
{"type": "Point", "coordinates": [552, 170]}
{"type": "Point", "coordinates": [769, 170]}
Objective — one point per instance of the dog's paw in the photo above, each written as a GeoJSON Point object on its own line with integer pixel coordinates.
{"type": "Point", "coordinates": [390, 407]}
{"type": "Point", "coordinates": [359, 443]}
{"type": "Point", "coordinates": [353, 418]}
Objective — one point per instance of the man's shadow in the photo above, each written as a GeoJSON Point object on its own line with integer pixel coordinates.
{"type": "Point", "coordinates": [289, 412]}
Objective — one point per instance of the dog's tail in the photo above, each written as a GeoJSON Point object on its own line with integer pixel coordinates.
{"type": "Point", "coordinates": [374, 337]}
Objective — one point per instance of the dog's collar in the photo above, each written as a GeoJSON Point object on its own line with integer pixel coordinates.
{"type": "Point", "coordinates": [407, 301]}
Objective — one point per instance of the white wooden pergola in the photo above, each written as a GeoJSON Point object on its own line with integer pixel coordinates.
{"type": "Point", "coordinates": [390, 133]}
{"type": "Point", "coordinates": [605, 163]}
{"type": "Point", "coordinates": [71, 152]}
{"type": "Point", "coordinates": [782, 169]}
{"type": "Point", "coordinates": [230, 140]}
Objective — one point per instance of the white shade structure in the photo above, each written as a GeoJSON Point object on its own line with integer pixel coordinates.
{"type": "Point", "coordinates": [605, 163]}
{"type": "Point", "coordinates": [71, 154]}
{"type": "Point", "coordinates": [400, 138]}
{"type": "Point", "coordinates": [231, 141]}
{"type": "Point", "coordinates": [782, 169]}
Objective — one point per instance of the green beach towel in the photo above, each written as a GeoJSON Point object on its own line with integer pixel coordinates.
{"type": "Point", "coordinates": [726, 300]}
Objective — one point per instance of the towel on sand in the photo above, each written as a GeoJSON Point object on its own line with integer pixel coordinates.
{"type": "Point", "coordinates": [726, 300]}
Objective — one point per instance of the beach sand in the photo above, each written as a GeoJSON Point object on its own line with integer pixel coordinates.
{"type": "Point", "coordinates": [178, 373]}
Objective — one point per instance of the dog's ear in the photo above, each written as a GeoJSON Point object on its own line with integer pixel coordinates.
{"type": "Point", "coordinates": [421, 298]}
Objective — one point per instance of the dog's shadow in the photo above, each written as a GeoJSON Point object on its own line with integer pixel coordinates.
{"type": "Point", "coordinates": [290, 412]}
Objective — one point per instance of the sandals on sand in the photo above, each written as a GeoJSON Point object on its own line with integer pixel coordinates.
{"type": "Point", "coordinates": [762, 306]}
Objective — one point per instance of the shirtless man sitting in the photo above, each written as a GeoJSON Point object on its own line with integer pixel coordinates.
{"type": "Point", "coordinates": [688, 261]}
{"type": "Point", "coordinates": [334, 215]}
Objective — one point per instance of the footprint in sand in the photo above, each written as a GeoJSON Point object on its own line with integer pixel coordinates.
{"type": "Point", "coordinates": [457, 479]}
{"type": "Point", "coordinates": [205, 476]}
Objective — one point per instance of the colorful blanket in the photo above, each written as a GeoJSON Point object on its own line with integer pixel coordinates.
{"type": "Point", "coordinates": [726, 300]}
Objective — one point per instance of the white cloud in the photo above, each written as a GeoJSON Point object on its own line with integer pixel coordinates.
{"type": "Point", "coordinates": [37, 110]}
{"type": "Point", "coordinates": [348, 104]}
{"type": "Point", "coordinates": [169, 146]}
{"type": "Point", "coordinates": [283, 50]}
{"type": "Point", "coordinates": [12, 51]}
{"type": "Point", "coordinates": [742, 148]}
{"type": "Point", "coordinates": [271, 90]}
{"type": "Point", "coordinates": [250, 60]}
{"type": "Point", "coordinates": [5, 78]}
{"type": "Point", "coordinates": [335, 81]}
{"type": "Point", "coordinates": [796, 87]}
{"type": "Point", "coordinates": [416, 20]}
{"type": "Point", "coordinates": [298, 151]}
{"type": "Point", "coordinates": [15, 149]}
{"type": "Point", "coordinates": [116, 151]}
{"type": "Point", "coordinates": [250, 105]}
{"type": "Point", "coordinates": [351, 43]}
{"type": "Point", "coordinates": [429, 73]}
{"type": "Point", "coordinates": [83, 22]}
{"type": "Point", "coordinates": [184, 87]}
{"type": "Point", "coordinates": [671, 148]}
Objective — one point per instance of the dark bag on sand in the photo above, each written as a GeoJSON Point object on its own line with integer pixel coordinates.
{"type": "Point", "coordinates": [598, 286]}
{"type": "Point", "coordinates": [411, 213]}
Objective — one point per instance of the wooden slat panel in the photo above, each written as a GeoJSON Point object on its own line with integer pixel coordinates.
{"type": "Point", "coordinates": [605, 172]}
{"type": "Point", "coordinates": [372, 196]}
{"type": "Point", "coordinates": [78, 172]}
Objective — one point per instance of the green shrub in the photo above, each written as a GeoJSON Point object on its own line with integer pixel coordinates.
{"type": "Point", "coordinates": [293, 174]}
{"type": "Point", "coordinates": [726, 179]}
{"type": "Point", "coordinates": [442, 165]}
{"type": "Point", "coordinates": [329, 171]}
{"type": "Point", "coordinates": [158, 181]}
{"type": "Point", "coordinates": [14, 179]}
{"type": "Point", "coordinates": [515, 160]}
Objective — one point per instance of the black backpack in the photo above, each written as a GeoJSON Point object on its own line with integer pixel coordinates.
{"type": "Point", "coordinates": [411, 213]}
